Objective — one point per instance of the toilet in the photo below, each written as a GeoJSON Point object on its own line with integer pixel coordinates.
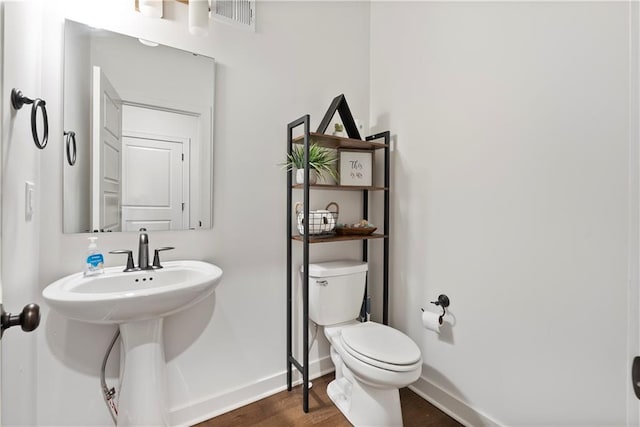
{"type": "Point", "coordinates": [372, 360]}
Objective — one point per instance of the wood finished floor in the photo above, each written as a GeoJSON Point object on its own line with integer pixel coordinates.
{"type": "Point", "coordinates": [285, 409]}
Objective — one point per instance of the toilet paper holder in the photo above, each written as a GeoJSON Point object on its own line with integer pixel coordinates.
{"type": "Point", "coordinates": [443, 301]}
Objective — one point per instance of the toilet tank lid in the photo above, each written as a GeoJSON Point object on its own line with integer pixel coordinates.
{"type": "Point", "coordinates": [336, 268]}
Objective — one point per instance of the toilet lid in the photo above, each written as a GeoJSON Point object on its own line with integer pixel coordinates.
{"type": "Point", "coordinates": [372, 342]}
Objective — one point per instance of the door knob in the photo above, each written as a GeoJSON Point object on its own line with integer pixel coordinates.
{"type": "Point", "coordinates": [635, 376]}
{"type": "Point", "coordinates": [28, 320]}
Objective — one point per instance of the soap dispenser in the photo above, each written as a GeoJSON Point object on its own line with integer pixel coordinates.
{"type": "Point", "coordinates": [94, 261]}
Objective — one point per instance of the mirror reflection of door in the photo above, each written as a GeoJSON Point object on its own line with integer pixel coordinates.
{"type": "Point", "coordinates": [153, 192]}
{"type": "Point", "coordinates": [157, 181]}
{"type": "Point", "coordinates": [106, 154]}
{"type": "Point", "coordinates": [157, 78]}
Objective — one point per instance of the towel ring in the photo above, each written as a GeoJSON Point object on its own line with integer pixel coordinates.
{"type": "Point", "coordinates": [18, 100]}
{"type": "Point", "coordinates": [70, 142]}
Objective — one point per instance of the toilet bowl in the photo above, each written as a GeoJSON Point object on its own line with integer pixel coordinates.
{"type": "Point", "coordinates": [372, 360]}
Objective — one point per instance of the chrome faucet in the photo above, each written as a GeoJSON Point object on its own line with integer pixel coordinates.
{"type": "Point", "coordinates": [143, 250]}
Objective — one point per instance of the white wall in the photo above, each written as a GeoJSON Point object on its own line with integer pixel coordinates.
{"type": "Point", "coordinates": [231, 347]}
{"type": "Point", "coordinates": [510, 176]}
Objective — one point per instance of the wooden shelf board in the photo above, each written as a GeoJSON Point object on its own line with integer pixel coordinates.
{"type": "Point", "coordinates": [339, 187]}
{"type": "Point", "coordinates": [336, 142]}
{"type": "Point", "coordinates": [340, 238]}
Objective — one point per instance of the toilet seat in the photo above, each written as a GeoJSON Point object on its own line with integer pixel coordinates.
{"type": "Point", "coordinates": [381, 346]}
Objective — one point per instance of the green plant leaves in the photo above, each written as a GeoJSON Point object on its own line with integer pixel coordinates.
{"type": "Point", "coordinates": [321, 159]}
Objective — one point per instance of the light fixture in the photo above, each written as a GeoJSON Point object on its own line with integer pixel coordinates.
{"type": "Point", "coordinates": [150, 8]}
{"type": "Point", "coordinates": [199, 17]}
{"type": "Point", "coordinates": [199, 11]}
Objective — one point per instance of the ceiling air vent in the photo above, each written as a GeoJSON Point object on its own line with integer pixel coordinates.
{"type": "Point", "coordinates": [239, 13]}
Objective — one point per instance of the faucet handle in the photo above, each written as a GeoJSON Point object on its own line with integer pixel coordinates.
{"type": "Point", "coordinates": [156, 256]}
{"type": "Point", "coordinates": [130, 265]}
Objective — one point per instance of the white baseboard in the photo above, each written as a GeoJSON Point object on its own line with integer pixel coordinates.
{"type": "Point", "coordinates": [213, 406]}
{"type": "Point", "coordinates": [451, 405]}
{"type": "Point", "coordinates": [219, 404]}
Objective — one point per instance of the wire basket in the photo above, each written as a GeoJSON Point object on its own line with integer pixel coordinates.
{"type": "Point", "coordinates": [321, 222]}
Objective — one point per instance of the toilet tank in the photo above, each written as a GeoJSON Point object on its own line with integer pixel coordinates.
{"type": "Point", "coordinates": [336, 291]}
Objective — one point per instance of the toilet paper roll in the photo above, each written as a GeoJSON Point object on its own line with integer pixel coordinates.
{"type": "Point", "coordinates": [431, 321]}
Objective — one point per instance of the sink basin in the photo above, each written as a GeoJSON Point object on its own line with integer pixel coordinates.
{"type": "Point", "coordinates": [137, 301]}
{"type": "Point", "coordinates": [118, 297]}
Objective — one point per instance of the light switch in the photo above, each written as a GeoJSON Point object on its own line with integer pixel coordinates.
{"type": "Point", "coordinates": [29, 197]}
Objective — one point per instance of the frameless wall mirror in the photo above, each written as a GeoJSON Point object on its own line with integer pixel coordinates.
{"type": "Point", "coordinates": [138, 143]}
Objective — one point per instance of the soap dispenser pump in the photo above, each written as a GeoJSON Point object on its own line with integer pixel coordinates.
{"type": "Point", "coordinates": [94, 261]}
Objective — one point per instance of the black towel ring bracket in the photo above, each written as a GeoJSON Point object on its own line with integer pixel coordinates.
{"type": "Point", "coordinates": [17, 102]}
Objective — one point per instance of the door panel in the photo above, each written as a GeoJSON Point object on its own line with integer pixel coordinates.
{"type": "Point", "coordinates": [106, 154]}
{"type": "Point", "coordinates": [149, 169]}
{"type": "Point", "coordinates": [155, 122]}
{"type": "Point", "coordinates": [112, 110]}
{"type": "Point", "coordinates": [153, 177]}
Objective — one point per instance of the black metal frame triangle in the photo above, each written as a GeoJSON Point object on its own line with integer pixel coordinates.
{"type": "Point", "coordinates": [339, 104]}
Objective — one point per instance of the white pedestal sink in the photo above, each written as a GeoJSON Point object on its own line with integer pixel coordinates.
{"type": "Point", "coordinates": [136, 301]}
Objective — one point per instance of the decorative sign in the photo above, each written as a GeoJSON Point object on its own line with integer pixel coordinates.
{"type": "Point", "coordinates": [356, 168]}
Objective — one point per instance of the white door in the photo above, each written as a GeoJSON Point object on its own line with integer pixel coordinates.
{"type": "Point", "coordinates": [155, 182]}
{"type": "Point", "coordinates": [106, 146]}
{"type": "Point", "coordinates": [633, 310]}
{"type": "Point", "coordinates": [0, 347]}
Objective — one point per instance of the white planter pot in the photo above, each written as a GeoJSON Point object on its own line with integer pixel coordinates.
{"type": "Point", "coordinates": [313, 176]}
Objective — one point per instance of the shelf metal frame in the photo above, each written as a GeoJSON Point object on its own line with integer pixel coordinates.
{"type": "Point", "coordinates": [291, 360]}
{"type": "Point", "coordinates": [386, 135]}
{"type": "Point", "coordinates": [332, 142]}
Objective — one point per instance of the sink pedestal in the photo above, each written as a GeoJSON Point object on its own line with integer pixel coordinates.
{"type": "Point", "coordinates": [142, 397]}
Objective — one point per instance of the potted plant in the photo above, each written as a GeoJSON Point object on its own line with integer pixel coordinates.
{"type": "Point", "coordinates": [321, 161]}
{"type": "Point", "coordinates": [338, 130]}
